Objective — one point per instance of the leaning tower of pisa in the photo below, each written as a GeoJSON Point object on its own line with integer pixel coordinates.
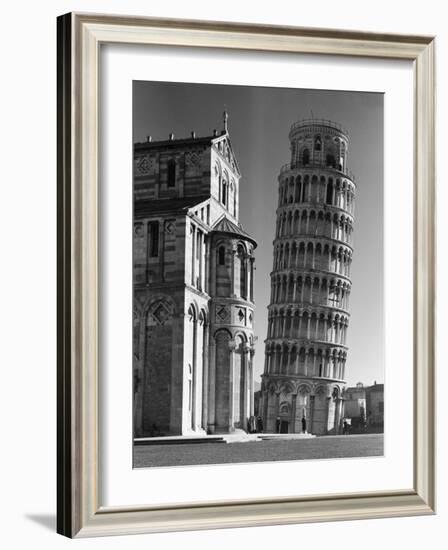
{"type": "Point", "coordinates": [306, 348]}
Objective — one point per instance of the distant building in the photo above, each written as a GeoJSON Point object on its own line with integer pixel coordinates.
{"type": "Point", "coordinates": [364, 406]}
{"type": "Point", "coordinates": [193, 289]}
{"type": "Point", "coordinates": [355, 406]}
{"type": "Point", "coordinates": [375, 406]}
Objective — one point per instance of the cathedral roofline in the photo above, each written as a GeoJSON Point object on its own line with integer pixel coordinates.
{"type": "Point", "coordinates": [174, 143]}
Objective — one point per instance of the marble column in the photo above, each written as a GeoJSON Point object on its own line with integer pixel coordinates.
{"type": "Point", "coordinates": [205, 376]}
{"type": "Point", "coordinates": [211, 387]}
{"type": "Point", "coordinates": [232, 348]}
{"type": "Point", "coordinates": [251, 382]}
{"type": "Point", "coordinates": [232, 282]}
{"type": "Point", "coordinates": [244, 405]}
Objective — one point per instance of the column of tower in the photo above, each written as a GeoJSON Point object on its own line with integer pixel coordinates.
{"type": "Point", "coordinates": [310, 282]}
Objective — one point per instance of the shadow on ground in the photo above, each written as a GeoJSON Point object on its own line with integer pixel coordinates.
{"type": "Point", "coordinates": [45, 520]}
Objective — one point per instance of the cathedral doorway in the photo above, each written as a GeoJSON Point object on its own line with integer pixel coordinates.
{"type": "Point", "coordinates": [284, 426]}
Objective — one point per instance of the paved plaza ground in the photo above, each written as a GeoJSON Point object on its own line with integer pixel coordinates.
{"type": "Point", "coordinates": [340, 446]}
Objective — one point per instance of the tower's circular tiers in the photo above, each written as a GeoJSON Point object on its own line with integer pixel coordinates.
{"type": "Point", "coordinates": [308, 314]}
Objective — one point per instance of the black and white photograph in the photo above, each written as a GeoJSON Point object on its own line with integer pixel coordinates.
{"type": "Point", "coordinates": [258, 330]}
{"type": "Point", "coordinates": [224, 274]}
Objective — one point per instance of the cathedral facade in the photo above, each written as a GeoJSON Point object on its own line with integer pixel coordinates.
{"type": "Point", "coordinates": [308, 315]}
{"type": "Point", "coordinates": [193, 339]}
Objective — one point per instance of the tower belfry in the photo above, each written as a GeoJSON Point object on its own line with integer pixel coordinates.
{"type": "Point", "coordinates": [306, 348]}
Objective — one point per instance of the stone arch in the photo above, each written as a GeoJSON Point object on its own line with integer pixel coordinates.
{"type": "Point", "coordinates": [306, 188]}
{"type": "Point", "coordinates": [312, 222]}
{"type": "Point", "coordinates": [314, 190]}
{"type": "Point", "coordinates": [286, 387]}
{"type": "Point", "coordinates": [329, 192]}
{"type": "Point", "coordinates": [298, 189]}
{"type": "Point", "coordinates": [321, 189]}
{"type": "Point", "coordinates": [302, 356]}
{"type": "Point", "coordinates": [241, 336]}
{"type": "Point", "coordinates": [289, 223]}
{"type": "Point", "coordinates": [224, 198]}
{"type": "Point", "coordinates": [293, 259]}
{"type": "Point", "coordinates": [158, 313]}
{"type": "Point", "coordinates": [304, 388]}
{"type": "Point", "coordinates": [309, 254]}
{"type": "Point", "coordinates": [308, 289]}
{"type": "Point", "coordinates": [305, 156]}
{"type": "Point", "coordinates": [301, 255]}
{"type": "Point", "coordinates": [223, 339]}
{"type": "Point", "coordinates": [240, 277]}
{"type": "Point", "coordinates": [330, 160]}
{"type": "Point", "coordinates": [286, 258]}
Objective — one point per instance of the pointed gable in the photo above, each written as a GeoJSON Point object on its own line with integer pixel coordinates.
{"type": "Point", "coordinates": [224, 149]}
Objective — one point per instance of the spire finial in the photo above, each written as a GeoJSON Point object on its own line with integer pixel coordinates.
{"type": "Point", "coordinates": [225, 118]}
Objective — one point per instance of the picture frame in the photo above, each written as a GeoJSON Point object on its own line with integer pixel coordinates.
{"type": "Point", "coordinates": [79, 510]}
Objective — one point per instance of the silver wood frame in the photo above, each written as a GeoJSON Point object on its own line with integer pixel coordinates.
{"type": "Point", "coordinates": [80, 513]}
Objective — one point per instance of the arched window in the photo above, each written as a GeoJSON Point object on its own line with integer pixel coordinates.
{"type": "Point", "coordinates": [318, 143]}
{"type": "Point", "coordinates": [192, 363]}
{"type": "Point", "coordinates": [224, 193]}
{"type": "Point", "coordinates": [298, 189]}
{"type": "Point", "coordinates": [331, 161]}
{"type": "Point", "coordinates": [305, 157]}
{"type": "Point", "coordinates": [171, 173]}
{"type": "Point", "coordinates": [243, 272]}
{"type": "Point", "coordinates": [190, 386]}
{"type": "Point", "coordinates": [329, 197]}
{"type": "Point", "coordinates": [153, 239]}
{"type": "Point", "coordinates": [221, 255]}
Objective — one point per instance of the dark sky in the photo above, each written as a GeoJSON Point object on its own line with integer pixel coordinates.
{"type": "Point", "coordinates": [259, 122]}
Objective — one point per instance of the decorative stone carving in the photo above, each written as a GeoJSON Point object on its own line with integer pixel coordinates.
{"type": "Point", "coordinates": [222, 314]}
{"type": "Point", "coordinates": [192, 158]}
{"type": "Point", "coordinates": [241, 315]}
{"type": "Point", "coordinates": [160, 313]}
{"type": "Point", "coordinates": [138, 230]}
{"type": "Point", "coordinates": [170, 227]}
{"type": "Point", "coordinates": [144, 165]}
